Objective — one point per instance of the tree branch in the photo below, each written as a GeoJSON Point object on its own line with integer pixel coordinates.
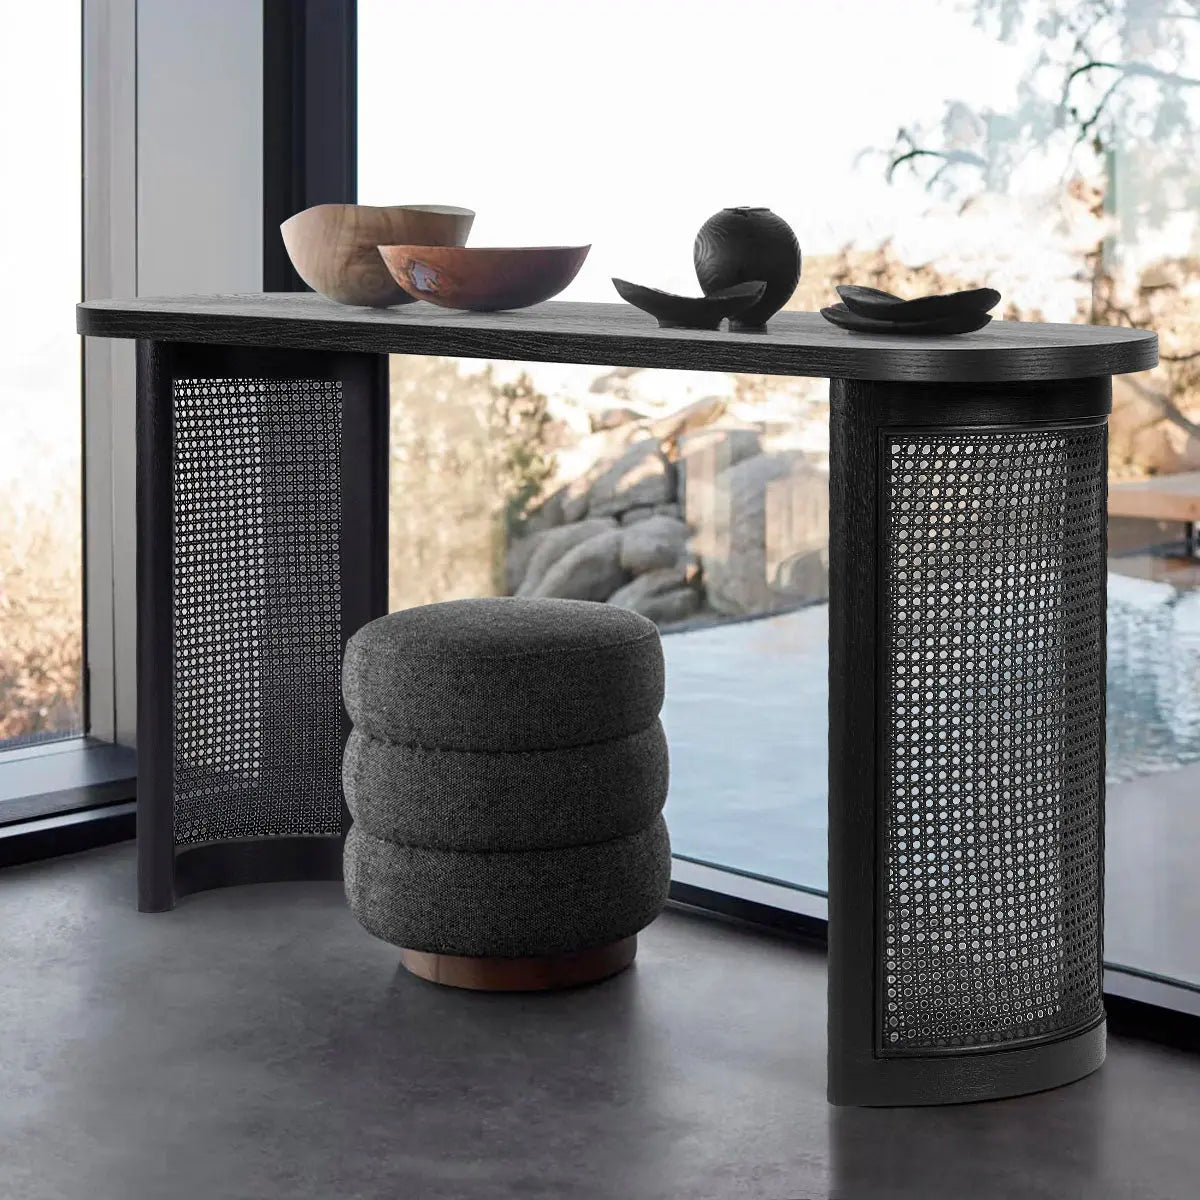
{"type": "Point", "coordinates": [1165, 406]}
{"type": "Point", "coordinates": [1128, 69]}
{"type": "Point", "coordinates": [1086, 127]}
{"type": "Point", "coordinates": [950, 158]}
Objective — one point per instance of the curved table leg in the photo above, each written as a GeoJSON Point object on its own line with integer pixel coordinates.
{"type": "Point", "coordinates": [261, 546]}
{"type": "Point", "coordinates": [966, 790]}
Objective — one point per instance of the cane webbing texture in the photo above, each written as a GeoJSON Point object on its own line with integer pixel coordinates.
{"type": "Point", "coordinates": [257, 608]}
{"type": "Point", "coordinates": [992, 678]}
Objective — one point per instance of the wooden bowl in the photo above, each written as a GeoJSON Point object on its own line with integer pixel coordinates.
{"type": "Point", "coordinates": [333, 246]}
{"type": "Point", "coordinates": [483, 278]}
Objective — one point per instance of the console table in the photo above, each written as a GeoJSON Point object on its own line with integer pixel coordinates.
{"type": "Point", "coordinates": [967, 637]}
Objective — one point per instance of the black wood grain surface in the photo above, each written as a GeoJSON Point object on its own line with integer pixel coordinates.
{"type": "Point", "coordinates": [618, 335]}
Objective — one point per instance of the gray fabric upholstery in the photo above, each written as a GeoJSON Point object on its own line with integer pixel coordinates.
{"type": "Point", "coordinates": [529, 902]}
{"type": "Point", "coordinates": [525, 800]}
{"type": "Point", "coordinates": [504, 674]}
{"type": "Point", "coordinates": [506, 774]}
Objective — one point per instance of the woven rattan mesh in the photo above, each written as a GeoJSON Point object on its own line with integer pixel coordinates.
{"type": "Point", "coordinates": [257, 608]}
{"type": "Point", "coordinates": [993, 683]}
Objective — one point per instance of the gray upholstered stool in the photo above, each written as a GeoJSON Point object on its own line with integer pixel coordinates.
{"type": "Point", "coordinates": [506, 775]}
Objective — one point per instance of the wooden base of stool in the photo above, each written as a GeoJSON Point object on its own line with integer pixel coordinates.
{"type": "Point", "coordinates": [540, 974]}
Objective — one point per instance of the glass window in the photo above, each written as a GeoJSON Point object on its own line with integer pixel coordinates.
{"type": "Point", "coordinates": [41, 557]}
{"type": "Point", "coordinates": [1045, 148]}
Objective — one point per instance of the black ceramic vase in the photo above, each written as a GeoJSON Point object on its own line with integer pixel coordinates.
{"type": "Point", "coordinates": [740, 244]}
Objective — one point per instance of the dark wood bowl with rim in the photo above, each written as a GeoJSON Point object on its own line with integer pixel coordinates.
{"type": "Point", "coordinates": [483, 278]}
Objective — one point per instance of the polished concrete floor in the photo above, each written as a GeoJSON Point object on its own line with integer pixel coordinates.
{"type": "Point", "coordinates": [256, 1044]}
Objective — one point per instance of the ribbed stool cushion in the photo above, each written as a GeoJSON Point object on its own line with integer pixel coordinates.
{"type": "Point", "coordinates": [506, 774]}
{"type": "Point", "coordinates": [532, 902]}
{"type": "Point", "coordinates": [514, 800]}
{"type": "Point", "coordinates": [504, 674]}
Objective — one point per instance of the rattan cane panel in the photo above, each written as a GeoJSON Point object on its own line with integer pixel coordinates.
{"type": "Point", "coordinates": [257, 608]}
{"type": "Point", "coordinates": [991, 856]}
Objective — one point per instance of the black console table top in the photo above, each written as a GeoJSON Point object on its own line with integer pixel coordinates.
{"type": "Point", "coordinates": [796, 343]}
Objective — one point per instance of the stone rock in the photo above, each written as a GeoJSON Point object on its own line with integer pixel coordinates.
{"type": "Point", "coordinates": [692, 416]}
{"type": "Point", "coordinates": [548, 548]}
{"type": "Point", "coordinates": [640, 476]}
{"type": "Point", "coordinates": [763, 538]}
{"type": "Point", "coordinates": [643, 511]}
{"type": "Point", "coordinates": [611, 418]}
{"type": "Point", "coordinates": [612, 380]}
{"type": "Point", "coordinates": [644, 587]}
{"type": "Point", "coordinates": [703, 455]}
{"type": "Point", "coordinates": [668, 607]}
{"type": "Point", "coordinates": [660, 595]}
{"type": "Point", "coordinates": [575, 508]}
{"type": "Point", "coordinates": [653, 544]}
{"type": "Point", "coordinates": [640, 513]}
{"type": "Point", "coordinates": [516, 560]}
{"type": "Point", "coordinates": [590, 571]}
{"type": "Point", "coordinates": [547, 515]}
{"type": "Point", "coordinates": [805, 576]}
{"type": "Point", "coordinates": [585, 461]}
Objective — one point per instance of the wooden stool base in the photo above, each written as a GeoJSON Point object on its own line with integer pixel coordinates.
{"type": "Point", "coordinates": [538, 974]}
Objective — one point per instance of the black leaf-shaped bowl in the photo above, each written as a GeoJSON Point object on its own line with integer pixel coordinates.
{"type": "Point", "coordinates": [883, 306]}
{"type": "Point", "coordinates": [691, 312]}
{"type": "Point", "coordinates": [966, 322]}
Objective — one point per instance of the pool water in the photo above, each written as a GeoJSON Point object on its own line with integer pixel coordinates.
{"type": "Point", "coordinates": [746, 720]}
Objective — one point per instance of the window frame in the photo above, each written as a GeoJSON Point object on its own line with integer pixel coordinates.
{"type": "Point", "coordinates": [110, 268]}
{"type": "Point", "coordinates": [306, 83]}
{"type": "Point", "coordinates": [43, 780]}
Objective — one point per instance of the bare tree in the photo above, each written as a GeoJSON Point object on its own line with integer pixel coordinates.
{"type": "Point", "coordinates": [1110, 82]}
{"type": "Point", "coordinates": [1106, 76]}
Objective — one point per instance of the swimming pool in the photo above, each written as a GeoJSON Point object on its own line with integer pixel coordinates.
{"type": "Point", "coordinates": [746, 719]}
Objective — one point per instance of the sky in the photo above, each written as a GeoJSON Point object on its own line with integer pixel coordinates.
{"type": "Point", "coordinates": [624, 124]}
{"type": "Point", "coordinates": [619, 123]}
{"type": "Point", "coordinates": [40, 244]}
{"type": "Point", "coordinates": [627, 123]}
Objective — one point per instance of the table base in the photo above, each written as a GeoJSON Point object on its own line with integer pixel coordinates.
{"type": "Point", "coordinates": [262, 546]}
{"type": "Point", "coordinates": [966, 797]}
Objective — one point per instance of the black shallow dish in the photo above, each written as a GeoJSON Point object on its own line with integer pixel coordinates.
{"type": "Point", "coordinates": [691, 312]}
{"type": "Point", "coordinates": [883, 306]}
{"type": "Point", "coordinates": [968, 322]}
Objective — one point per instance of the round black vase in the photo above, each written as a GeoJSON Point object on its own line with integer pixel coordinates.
{"type": "Point", "coordinates": [737, 245]}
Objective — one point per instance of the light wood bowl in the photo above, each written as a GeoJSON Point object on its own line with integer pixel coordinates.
{"type": "Point", "coordinates": [483, 278]}
{"type": "Point", "coordinates": [333, 246]}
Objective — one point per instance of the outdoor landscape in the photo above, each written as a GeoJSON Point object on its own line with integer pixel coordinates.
{"type": "Point", "coordinates": [701, 499]}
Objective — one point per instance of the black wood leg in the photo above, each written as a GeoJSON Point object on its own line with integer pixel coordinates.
{"type": "Point", "coordinates": [966, 776]}
{"type": "Point", "coordinates": [262, 546]}
{"type": "Point", "coordinates": [155, 713]}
